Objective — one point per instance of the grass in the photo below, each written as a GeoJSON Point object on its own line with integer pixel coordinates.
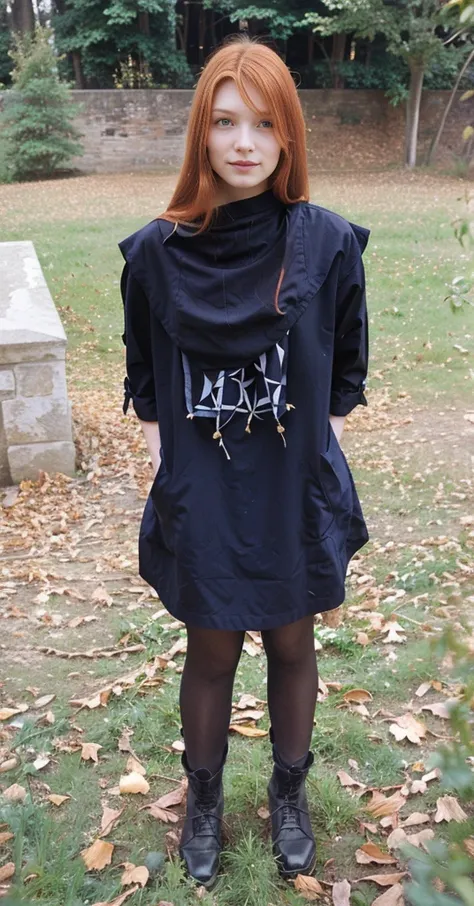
{"type": "Point", "coordinates": [410, 490]}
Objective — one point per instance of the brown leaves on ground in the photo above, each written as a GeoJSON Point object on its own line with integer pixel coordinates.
{"type": "Point", "coordinates": [97, 856]}
{"type": "Point", "coordinates": [135, 874]}
{"type": "Point", "coordinates": [308, 887]}
{"type": "Point", "coordinates": [370, 852]}
{"type": "Point", "coordinates": [89, 751]}
{"type": "Point", "coordinates": [133, 783]}
{"type": "Point", "coordinates": [110, 816]}
{"type": "Point", "coordinates": [120, 899]}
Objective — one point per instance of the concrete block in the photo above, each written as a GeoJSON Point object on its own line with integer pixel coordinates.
{"type": "Point", "coordinates": [7, 384]}
{"type": "Point", "coordinates": [41, 379]}
{"type": "Point", "coordinates": [27, 460]}
{"type": "Point", "coordinates": [36, 419]}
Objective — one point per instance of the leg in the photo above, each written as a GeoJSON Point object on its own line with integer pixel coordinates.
{"type": "Point", "coordinates": [206, 693]}
{"type": "Point", "coordinates": [292, 693]}
{"type": "Point", "coordinates": [292, 686]}
{"type": "Point", "coordinates": [206, 701]}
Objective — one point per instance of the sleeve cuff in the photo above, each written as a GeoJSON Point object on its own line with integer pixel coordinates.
{"type": "Point", "coordinates": [343, 401]}
{"type": "Point", "coordinates": [145, 409]}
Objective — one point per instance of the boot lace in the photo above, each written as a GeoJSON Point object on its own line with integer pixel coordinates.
{"type": "Point", "coordinates": [205, 803]}
{"type": "Point", "coordinates": [290, 811]}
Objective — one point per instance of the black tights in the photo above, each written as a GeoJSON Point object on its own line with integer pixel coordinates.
{"type": "Point", "coordinates": [208, 680]}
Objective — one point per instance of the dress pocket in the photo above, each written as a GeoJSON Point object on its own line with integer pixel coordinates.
{"type": "Point", "coordinates": [328, 497]}
{"type": "Point", "coordinates": [162, 504]}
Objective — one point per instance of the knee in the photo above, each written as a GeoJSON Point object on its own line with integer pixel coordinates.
{"type": "Point", "coordinates": [214, 668]}
{"type": "Point", "coordinates": [289, 649]}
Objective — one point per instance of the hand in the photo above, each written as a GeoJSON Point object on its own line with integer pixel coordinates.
{"type": "Point", "coordinates": [337, 424]}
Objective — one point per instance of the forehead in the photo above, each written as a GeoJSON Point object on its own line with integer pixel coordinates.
{"type": "Point", "coordinates": [227, 97]}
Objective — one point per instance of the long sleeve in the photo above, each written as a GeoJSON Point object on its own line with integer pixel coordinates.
{"type": "Point", "coordinates": [351, 341]}
{"type": "Point", "coordinates": [139, 383]}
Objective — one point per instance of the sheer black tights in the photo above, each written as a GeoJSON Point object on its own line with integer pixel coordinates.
{"type": "Point", "coordinates": [207, 685]}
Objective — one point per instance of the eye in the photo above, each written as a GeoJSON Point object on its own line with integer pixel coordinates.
{"type": "Point", "coordinates": [267, 124]}
{"type": "Point", "coordinates": [224, 120]}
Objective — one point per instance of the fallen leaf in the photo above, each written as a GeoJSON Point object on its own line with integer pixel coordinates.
{"type": "Point", "coordinates": [8, 765]}
{"type": "Point", "coordinates": [124, 741]}
{"type": "Point", "coordinates": [41, 762]}
{"type": "Point", "coordinates": [6, 713]}
{"type": "Point", "coordinates": [56, 799]}
{"type": "Point", "coordinates": [263, 813]}
{"type": "Point", "coordinates": [101, 596]}
{"type": "Point", "coordinates": [341, 892]}
{"type": "Point", "coordinates": [386, 806]}
{"type": "Point", "coordinates": [357, 695]}
{"type": "Point", "coordinates": [309, 887]}
{"type": "Point", "coordinates": [439, 709]}
{"type": "Point", "coordinates": [43, 701]}
{"type": "Point", "coordinates": [109, 818]}
{"type": "Point", "coordinates": [385, 880]}
{"type": "Point", "coordinates": [89, 751]}
{"type": "Point", "coordinates": [162, 814]}
{"type": "Point", "coordinates": [133, 783]}
{"type": "Point", "coordinates": [178, 745]}
{"type": "Point", "coordinates": [448, 809]}
{"type": "Point", "coordinates": [15, 793]}
{"type": "Point", "coordinates": [7, 871]}
{"type": "Point", "coordinates": [120, 899]}
{"type": "Point", "coordinates": [135, 767]}
{"type": "Point", "coordinates": [248, 731]}
{"type": "Point", "coordinates": [370, 852]}
{"type": "Point", "coordinates": [135, 874]}
{"type": "Point", "coordinates": [175, 797]}
{"type": "Point", "coordinates": [407, 727]}
{"type": "Point", "coordinates": [416, 818]}
{"type": "Point", "coordinates": [97, 856]}
{"type": "Point", "coordinates": [346, 780]}
{"type": "Point", "coordinates": [5, 836]}
{"type": "Point", "coordinates": [392, 897]}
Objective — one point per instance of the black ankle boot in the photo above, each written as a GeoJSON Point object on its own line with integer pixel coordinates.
{"type": "Point", "coordinates": [201, 840]}
{"type": "Point", "coordinates": [293, 841]}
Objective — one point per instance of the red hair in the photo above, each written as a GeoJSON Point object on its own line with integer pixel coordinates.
{"type": "Point", "coordinates": [247, 63]}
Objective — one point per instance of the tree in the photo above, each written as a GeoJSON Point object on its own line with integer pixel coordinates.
{"type": "Point", "coordinates": [40, 137]}
{"type": "Point", "coordinates": [98, 39]}
{"type": "Point", "coordinates": [411, 31]}
{"type": "Point", "coordinates": [23, 17]}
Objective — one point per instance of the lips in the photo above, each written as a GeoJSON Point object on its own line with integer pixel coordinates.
{"type": "Point", "coordinates": [243, 163]}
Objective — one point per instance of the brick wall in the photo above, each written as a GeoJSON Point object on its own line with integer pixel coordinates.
{"type": "Point", "coordinates": [129, 130]}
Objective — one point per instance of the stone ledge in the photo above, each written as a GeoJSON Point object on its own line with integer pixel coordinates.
{"type": "Point", "coordinates": [40, 379]}
{"type": "Point", "coordinates": [7, 384]}
{"type": "Point", "coordinates": [28, 460]}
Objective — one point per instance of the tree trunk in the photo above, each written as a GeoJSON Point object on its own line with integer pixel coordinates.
{"type": "Point", "coordinates": [23, 17]}
{"type": "Point", "coordinates": [310, 47]}
{"type": "Point", "coordinates": [201, 34]}
{"type": "Point", "coordinates": [212, 28]}
{"type": "Point", "coordinates": [78, 74]}
{"type": "Point", "coordinates": [144, 23]}
{"type": "Point", "coordinates": [417, 72]}
{"type": "Point", "coordinates": [434, 144]}
{"type": "Point", "coordinates": [186, 27]}
{"type": "Point", "coordinates": [337, 56]}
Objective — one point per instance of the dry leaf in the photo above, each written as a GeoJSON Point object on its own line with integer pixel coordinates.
{"type": "Point", "coordinates": [43, 701]}
{"type": "Point", "coordinates": [101, 596]}
{"type": "Point", "coordinates": [386, 806]}
{"type": "Point", "coordinates": [175, 797]}
{"type": "Point", "coordinates": [133, 783]}
{"type": "Point", "coordinates": [392, 897]}
{"type": "Point", "coordinates": [97, 856]}
{"type": "Point", "coordinates": [346, 780]}
{"type": "Point", "coordinates": [15, 793]}
{"type": "Point", "coordinates": [7, 871]}
{"type": "Point", "coordinates": [416, 818]}
{"type": "Point", "coordinates": [8, 765]}
{"type": "Point", "coordinates": [135, 767]}
{"type": "Point", "coordinates": [41, 762]}
{"type": "Point", "coordinates": [89, 751]}
{"type": "Point", "coordinates": [341, 892]}
{"type": "Point", "coordinates": [5, 836]}
{"type": "Point", "coordinates": [407, 727]}
{"type": "Point", "coordinates": [7, 713]}
{"type": "Point", "coordinates": [109, 818]}
{"type": "Point", "coordinates": [56, 799]}
{"type": "Point", "coordinates": [370, 852]}
{"type": "Point", "coordinates": [162, 814]}
{"type": "Point", "coordinates": [309, 887]}
{"type": "Point", "coordinates": [385, 880]}
{"type": "Point", "coordinates": [120, 899]}
{"type": "Point", "coordinates": [439, 709]}
{"type": "Point", "coordinates": [263, 813]}
{"type": "Point", "coordinates": [449, 810]}
{"type": "Point", "coordinates": [357, 695]}
{"type": "Point", "coordinates": [135, 874]}
{"type": "Point", "coordinates": [124, 741]}
{"type": "Point", "coordinates": [178, 745]}
{"type": "Point", "coordinates": [248, 731]}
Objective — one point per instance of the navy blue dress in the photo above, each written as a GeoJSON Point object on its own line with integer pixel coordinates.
{"type": "Point", "coordinates": [241, 342]}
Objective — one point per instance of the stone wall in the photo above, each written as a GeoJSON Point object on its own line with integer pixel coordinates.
{"type": "Point", "coordinates": [125, 130]}
{"type": "Point", "coordinates": [35, 416]}
{"type": "Point", "coordinates": [145, 130]}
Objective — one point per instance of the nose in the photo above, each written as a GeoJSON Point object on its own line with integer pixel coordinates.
{"type": "Point", "coordinates": [243, 139]}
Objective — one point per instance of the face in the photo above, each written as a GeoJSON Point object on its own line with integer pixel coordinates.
{"type": "Point", "coordinates": [242, 147]}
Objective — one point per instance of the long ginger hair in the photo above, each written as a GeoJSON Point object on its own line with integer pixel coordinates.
{"type": "Point", "coordinates": [247, 63]}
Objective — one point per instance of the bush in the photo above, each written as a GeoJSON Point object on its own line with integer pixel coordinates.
{"type": "Point", "coordinates": [38, 134]}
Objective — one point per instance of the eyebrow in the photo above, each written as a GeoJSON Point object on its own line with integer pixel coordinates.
{"type": "Point", "coordinates": [232, 112]}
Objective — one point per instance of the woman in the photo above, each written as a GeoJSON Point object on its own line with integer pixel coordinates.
{"type": "Point", "coordinates": [246, 346]}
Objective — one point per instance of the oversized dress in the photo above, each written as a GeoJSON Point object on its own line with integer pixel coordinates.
{"type": "Point", "coordinates": [240, 342]}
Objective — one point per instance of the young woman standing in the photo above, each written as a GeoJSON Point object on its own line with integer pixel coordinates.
{"type": "Point", "coordinates": [246, 347]}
